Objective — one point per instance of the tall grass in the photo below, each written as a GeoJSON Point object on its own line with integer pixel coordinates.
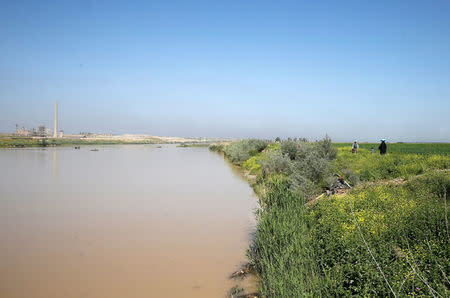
{"type": "Point", "coordinates": [282, 253]}
{"type": "Point", "coordinates": [380, 239]}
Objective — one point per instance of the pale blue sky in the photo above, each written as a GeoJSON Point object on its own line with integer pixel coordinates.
{"type": "Point", "coordinates": [353, 69]}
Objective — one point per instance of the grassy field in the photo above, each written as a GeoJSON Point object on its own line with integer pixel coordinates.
{"type": "Point", "coordinates": [382, 237]}
{"type": "Point", "coordinates": [387, 236]}
{"type": "Point", "coordinates": [416, 148]}
{"type": "Point", "coordinates": [372, 167]}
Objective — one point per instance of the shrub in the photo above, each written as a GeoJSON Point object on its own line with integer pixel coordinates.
{"type": "Point", "coordinates": [290, 148]}
{"type": "Point", "coordinates": [351, 177]}
{"type": "Point", "coordinates": [301, 184]}
{"type": "Point", "coordinates": [216, 147]}
{"type": "Point", "coordinates": [253, 164]}
{"type": "Point", "coordinates": [306, 164]}
{"type": "Point", "coordinates": [325, 149]}
{"type": "Point", "coordinates": [276, 163]}
{"type": "Point", "coordinates": [313, 161]}
{"type": "Point", "coordinates": [240, 151]}
{"type": "Point", "coordinates": [256, 146]}
{"type": "Point", "coordinates": [313, 166]}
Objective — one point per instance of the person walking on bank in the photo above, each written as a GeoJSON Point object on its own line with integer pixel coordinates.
{"type": "Point", "coordinates": [382, 147]}
{"type": "Point", "coordinates": [355, 147]}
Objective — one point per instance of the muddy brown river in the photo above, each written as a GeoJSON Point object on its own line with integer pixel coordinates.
{"type": "Point", "coordinates": [124, 221]}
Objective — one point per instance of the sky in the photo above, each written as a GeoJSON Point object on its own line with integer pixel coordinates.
{"type": "Point", "coordinates": [355, 70]}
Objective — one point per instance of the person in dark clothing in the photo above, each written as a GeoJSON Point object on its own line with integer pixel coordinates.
{"type": "Point", "coordinates": [382, 147]}
{"type": "Point", "coordinates": [355, 147]}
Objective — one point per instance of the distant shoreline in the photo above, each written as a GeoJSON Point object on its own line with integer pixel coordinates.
{"type": "Point", "coordinates": [14, 141]}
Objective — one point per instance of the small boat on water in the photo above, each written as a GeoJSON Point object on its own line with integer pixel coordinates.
{"type": "Point", "coordinates": [94, 149]}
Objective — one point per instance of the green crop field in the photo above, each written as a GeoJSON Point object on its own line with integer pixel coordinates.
{"type": "Point", "coordinates": [419, 148]}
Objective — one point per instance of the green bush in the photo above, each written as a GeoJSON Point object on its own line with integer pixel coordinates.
{"type": "Point", "coordinates": [276, 163]}
{"type": "Point", "coordinates": [240, 151]}
{"type": "Point", "coordinates": [313, 166]}
{"type": "Point", "coordinates": [310, 162]}
{"type": "Point", "coordinates": [326, 149]}
{"type": "Point", "coordinates": [290, 149]}
{"type": "Point", "coordinates": [216, 147]}
{"type": "Point", "coordinates": [301, 184]}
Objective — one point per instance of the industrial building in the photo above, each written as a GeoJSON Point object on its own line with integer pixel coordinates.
{"type": "Point", "coordinates": [41, 131]}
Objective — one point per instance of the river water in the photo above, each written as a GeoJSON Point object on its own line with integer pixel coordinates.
{"type": "Point", "coordinates": [124, 221]}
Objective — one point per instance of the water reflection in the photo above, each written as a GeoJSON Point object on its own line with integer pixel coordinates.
{"type": "Point", "coordinates": [54, 166]}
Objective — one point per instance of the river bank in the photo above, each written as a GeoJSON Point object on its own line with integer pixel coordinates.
{"type": "Point", "coordinates": [385, 234]}
{"type": "Point", "coordinates": [14, 141]}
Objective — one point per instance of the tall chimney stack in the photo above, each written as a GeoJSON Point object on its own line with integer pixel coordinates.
{"type": "Point", "coordinates": [55, 131]}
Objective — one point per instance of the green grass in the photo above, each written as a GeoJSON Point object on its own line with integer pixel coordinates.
{"type": "Point", "coordinates": [14, 142]}
{"type": "Point", "coordinates": [8, 142]}
{"type": "Point", "coordinates": [318, 251]}
{"type": "Point", "coordinates": [398, 229]}
{"type": "Point", "coordinates": [282, 253]}
{"type": "Point", "coordinates": [184, 145]}
{"type": "Point", "coordinates": [253, 164]}
{"type": "Point", "coordinates": [417, 148]}
{"type": "Point", "coordinates": [405, 228]}
{"type": "Point", "coordinates": [371, 167]}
